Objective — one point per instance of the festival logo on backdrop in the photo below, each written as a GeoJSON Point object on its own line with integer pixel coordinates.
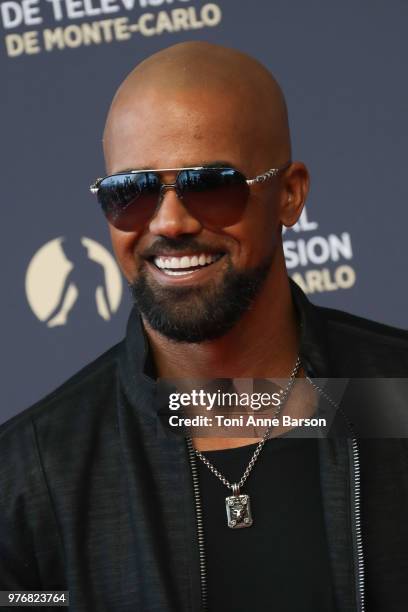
{"type": "Point", "coordinates": [37, 26]}
{"type": "Point", "coordinates": [318, 263]}
{"type": "Point", "coordinates": [68, 279]}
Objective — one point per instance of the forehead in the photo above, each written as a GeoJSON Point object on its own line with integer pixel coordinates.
{"type": "Point", "coordinates": [159, 129]}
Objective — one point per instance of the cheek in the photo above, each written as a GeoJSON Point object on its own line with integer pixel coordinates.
{"type": "Point", "coordinates": [258, 231]}
{"type": "Point", "coordinates": [124, 244]}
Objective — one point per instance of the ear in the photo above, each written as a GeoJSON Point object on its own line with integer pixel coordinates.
{"type": "Point", "coordinates": [294, 189]}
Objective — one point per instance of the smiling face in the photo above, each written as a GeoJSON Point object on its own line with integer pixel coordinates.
{"type": "Point", "coordinates": [191, 281]}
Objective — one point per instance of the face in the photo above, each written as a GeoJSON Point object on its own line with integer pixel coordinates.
{"type": "Point", "coordinates": [191, 282]}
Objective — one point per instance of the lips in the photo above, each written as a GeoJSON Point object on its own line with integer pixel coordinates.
{"type": "Point", "coordinates": [184, 264]}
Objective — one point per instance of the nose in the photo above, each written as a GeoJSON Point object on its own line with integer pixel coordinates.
{"type": "Point", "coordinates": [172, 218]}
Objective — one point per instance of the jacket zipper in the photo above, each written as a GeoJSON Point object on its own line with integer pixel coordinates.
{"type": "Point", "coordinates": [356, 509]}
{"type": "Point", "coordinates": [358, 554]}
{"type": "Point", "coordinates": [200, 526]}
{"type": "Point", "coordinates": [358, 539]}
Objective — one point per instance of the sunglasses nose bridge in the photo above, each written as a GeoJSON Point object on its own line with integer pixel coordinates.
{"type": "Point", "coordinates": [172, 218]}
{"type": "Point", "coordinates": [165, 186]}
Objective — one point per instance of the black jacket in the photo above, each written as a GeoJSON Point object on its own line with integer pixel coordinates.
{"type": "Point", "coordinates": [97, 497]}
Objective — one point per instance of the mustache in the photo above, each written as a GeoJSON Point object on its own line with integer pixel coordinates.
{"type": "Point", "coordinates": [164, 245]}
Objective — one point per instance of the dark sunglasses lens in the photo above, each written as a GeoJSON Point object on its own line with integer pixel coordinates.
{"type": "Point", "coordinates": [129, 200]}
{"type": "Point", "coordinates": [215, 196]}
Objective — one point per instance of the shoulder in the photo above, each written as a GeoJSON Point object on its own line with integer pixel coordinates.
{"type": "Point", "coordinates": [346, 345]}
{"type": "Point", "coordinates": [381, 349]}
{"type": "Point", "coordinates": [42, 451]}
{"type": "Point", "coordinates": [68, 432]}
{"type": "Point", "coordinates": [361, 329]}
{"type": "Point", "coordinates": [76, 398]}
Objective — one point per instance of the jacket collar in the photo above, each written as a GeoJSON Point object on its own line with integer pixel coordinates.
{"type": "Point", "coordinates": [136, 366]}
{"type": "Point", "coordinates": [314, 352]}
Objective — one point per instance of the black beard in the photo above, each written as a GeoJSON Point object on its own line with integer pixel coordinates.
{"type": "Point", "coordinates": [186, 314]}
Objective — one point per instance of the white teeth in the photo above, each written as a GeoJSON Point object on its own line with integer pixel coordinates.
{"type": "Point", "coordinates": [177, 272]}
{"type": "Point", "coordinates": [171, 264]}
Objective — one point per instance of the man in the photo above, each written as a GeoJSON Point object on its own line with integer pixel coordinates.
{"type": "Point", "coordinates": [98, 495]}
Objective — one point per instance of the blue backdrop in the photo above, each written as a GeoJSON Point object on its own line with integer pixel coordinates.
{"type": "Point", "coordinates": [342, 67]}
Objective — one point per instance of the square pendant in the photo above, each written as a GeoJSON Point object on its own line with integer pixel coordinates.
{"type": "Point", "coordinates": [238, 511]}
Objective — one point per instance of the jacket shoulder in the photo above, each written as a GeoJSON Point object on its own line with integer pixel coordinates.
{"type": "Point", "coordinates": [41, 451]}
{"type": "Point", "coordinates": [359, 327]}
{"type": "Point", "coordinates": [368, 347]}
{"type": "Point", "coordinates": [91, 381]}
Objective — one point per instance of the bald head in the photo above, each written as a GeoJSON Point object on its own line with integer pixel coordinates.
{"type": "Point", "coordinates": [206, 87]}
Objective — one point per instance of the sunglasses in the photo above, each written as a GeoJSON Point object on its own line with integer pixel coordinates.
{"type": "Point", "coordinates": [215, 196]}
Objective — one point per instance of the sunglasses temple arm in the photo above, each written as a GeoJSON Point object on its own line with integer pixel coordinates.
{"type": "Point", "coordinates": [261, 178]}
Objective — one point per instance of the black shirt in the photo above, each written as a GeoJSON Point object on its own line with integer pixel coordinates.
{"type": "Point", "coordinates": [280, 562]}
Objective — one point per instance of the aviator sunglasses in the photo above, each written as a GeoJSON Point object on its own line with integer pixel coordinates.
{"type": "Point", "coordinates": [215, 196]}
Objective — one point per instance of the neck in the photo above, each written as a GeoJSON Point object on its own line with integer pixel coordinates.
{"type": "Point", "coordinates": [264, 343]}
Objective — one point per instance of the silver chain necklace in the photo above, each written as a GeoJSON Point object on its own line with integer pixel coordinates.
{"type": "Point", "coordinates": [238, 505]}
